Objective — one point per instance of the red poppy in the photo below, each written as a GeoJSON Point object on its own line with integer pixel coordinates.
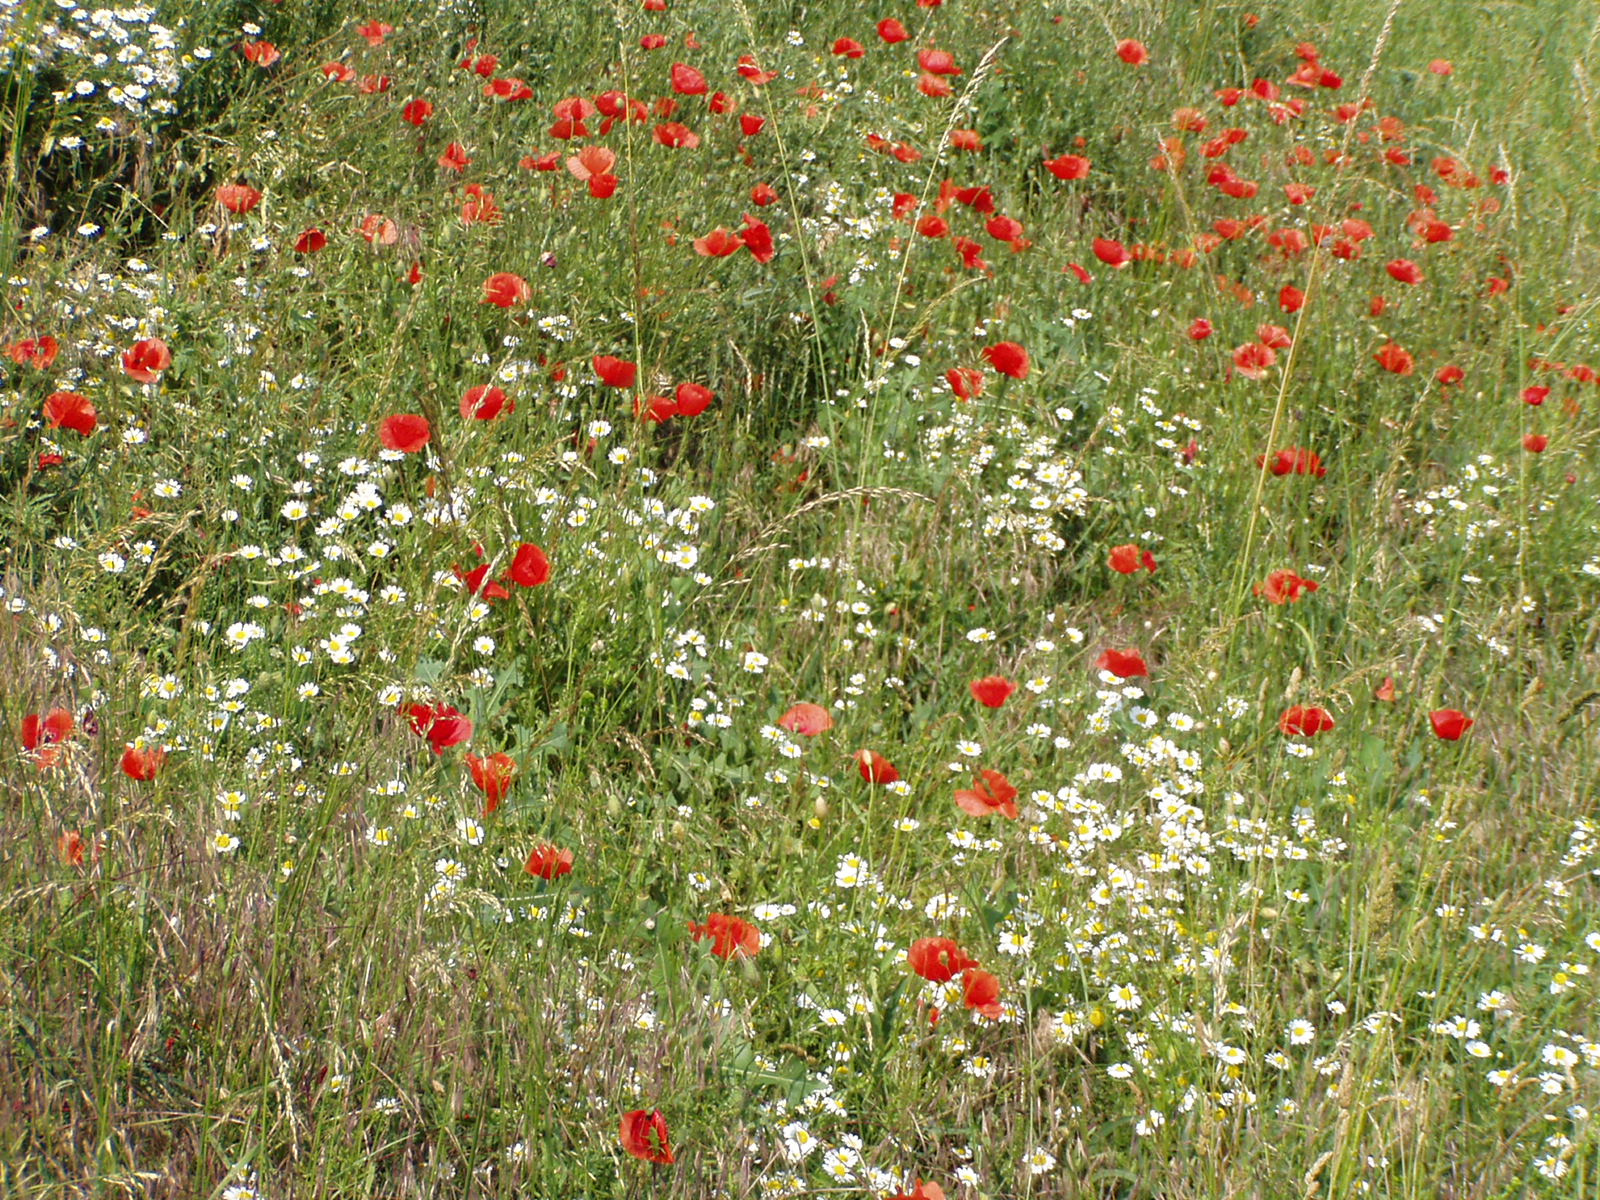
{"type": "Point", "coordinates": [548, 862]}
{"type": "Point", "coordinates": [70, 410]}
{"type": "Point", "coordinates": [730, 936]}
{"type": "Point", "coordinates": [379, 230]}
{"type": "Point", "coordinates": [763, 194]}
{"type": "Point", "coordinates": [992, 691]}
{"type": "Point", "coordinates": [479, 207]}
{"type": "Point", "coordinates": [1124, 664]}
{"type": "Point", "coordinates": [1284, 586]}
{"type": "Point", "coordinates": [478, 583]}
{"type": "Point", "coordinates": [455, 157]}
{"type": "Point", "coordinates": [405, 432]}
{"type": "Point", "coordinates": [1253, 360]}
{"type": "Point", "coordinates": [146, 360]}
{"type": "Point", "coordinates": [719, 243]}
{"type": "Point", "coordinates": [529, 566]}
{"type": "Point", "coordinates": [1200, 329]}
{"type": "Point", "coordinates": [751, 70]}
{"type": "Point", "coordinates": [1113, 253]}
{"type": "Point", "coordinates": [143, 765]}
{"type": "Point", "coordinates": [692, 399]}
{"type": "Point", "coordinates": [615, 372]}
{"type": "Point", "coordinates": [677, 135]}
{"type": "Point", "coordinates": [1535, 443]}
{"type": "Point", "coordinates": [925, 1190]}
{"type": "Point", "coordinates": [1450, 723]}
{"type": "Point", "coordinates": [1294, 461]}
{"type": "Point", "coordinates": [750, 124]}
{"type": "Point", "coordinates": [1291, 299]}
{"type": "Point", "coordinates": [652, 41]}
{"type": "Point", "coordinates": [687, 81]}
{"type": "Point", "coordinates": [1274, 336]}
{"type": "Point", "coordinates": [1004, 229]}
{"type": "Point", "coordinates": [1441, 66]}
{"type": "Point", "coordinates": [937, 62]}
{"type": "Point", "coordinates": [875, 768]}
{"type": "Point", "coordinates": [806, 719]}
{"type": "Point", "coordinates": [311, 242]}
{"type": "Point", "coordinates": [938, 959]}
{"type": "Point", "coordinates": [374, 31]}
{"type": "Point", "coordinates": [338, 72]}
{"type": "Point", "coordinates": [981, 992]}
{"type": "Point", "coordinates": [505, 290]}
{"type": "Point", "coordinates": [1133, 53]}
{"type": "Point", "coordinates": [849, 48]}
{"type": "Point", "coordinates": [891, 31]}
{"type": "Point", "coordinates": [441, 724]}
{"type": "Point", "coordinates": [991, 793]}
{"type": "Point", "coordinates": [1535, 395]}
{"type": "Point", "coordinates": [486, 402]}
{"type": "Point", "coordinates": [644, 1135]}
{"type": "Point", "coordinates": [1450, 374]}
{"type": "Point", "coordinates": [1008, 358]}
{"type": "Point", "coordinates": [757, 238]}
{"type": "Point", "coordinates": [36, 352]}
{"type": "Point", "coordinates": [263, 54]}
{"type": "Point", "coordinates": [70, 847]}
{"type": "Point", "coordinates": [371, 85]}
{"type": "Point", "coordinates": [492, 776]}
{"type": "Point", "coordinates": [1403, 270]}
{"type": "Point", "coordinates": [1127, 559]}
{"type": "Point", "coordinates": [931, 226]}
{"type": "Point", "coordinates": [1301, 721]}
{"type": "Point", "coordinates": [1068, 167]}
{"type": "Point", "coordinates": [40, 731]}
{"type": "Point", "coordinates": [238, 197]}
{"type": "Point", "coordinates": [1395, 359]}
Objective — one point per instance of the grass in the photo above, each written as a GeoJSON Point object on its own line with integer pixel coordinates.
{"type": "Point", "coordinates": [309, 949]}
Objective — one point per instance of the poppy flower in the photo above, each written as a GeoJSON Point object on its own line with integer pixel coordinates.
{"type": "Point", "coordinates": [925, 1190]}
{"type": "Point", "coordinates": [505, 290]}
{"type": "Point", "coordinates": [644, 1135]}
{"type": "Point", "coordinates": [146, 360]}
{"type": "Point", "coordinates": [1068, 167]}
{"type": "Point", "coordinates": [238, 197]}
{"type": "Point", "coordinates": [548, 862]}
{"type": "Point", "coordinates": [1403, 270]}
{"type": "Point", "coordinates": [965, 382]}
{"type": "Point", "coordinates": [455, 157]}
{"type": "Point", "coordinates": [441, 724]}
{"type": "Point", "coordinates": [692, 399]}
{"type": "Point", "coordinates": [750, 124]}
{"type": "Point", "coordinates": [719, 243]}
{"type": "Point", "coordinates": [938, 959]}
{"type": "Point", "coordinates": [478, 583]}
{"type": "Point", "coordinates": [1133, 53]}
{"type": "Point", "coordinates": [1385, 690]}
{"type": "Point", "coordinates": [875, 768]}
{"type": "Point", "coordinates": [1291, 299]}
{"type": "Point", "coordinates": [311, 242]}
{"type": "Point", "coordinates": [263, 54]}
{"type": "Point", "coordinates": [492, 776]}
{"type": "Point", "coordinates": [529, 566]}
{"type": "Point", "coordinates": [938, 62]}
{"type": "Point", "coordinates": [1127, 559]}
{"type": "Point", "coordinates": [1004, 229]}
{"type": "Point", "coordinates": [751, 70]}
{"type": "Point", "coordinates": [1441, 66]}
{"type": "Point", "coordinates": [143, 764]}
{"type": "Point", "coordinates": [1395, 359]}
{"type": "Point", "coordinates": [1008, 358]}
{"type": "Point", "coordinates": [763, 194]}
{"type": "Point", "coordinates": [808, 720]}
{"type": "Point", "coordinates": [687, 81]}
{"type": "Point", "coordinates": [1113, 253]}
{"type": "Point", "coordinates": [591, 161]}
{"type": "Point", "coordinates": [379, 230]}
{"type": "Point", "coordinates": [992, 691]}
{"type": "Point", "coordinates": [1535, 395]}
{"type": "Point", "coordinates": [1200, 329]}
{"type": "Point", "coordinates": [372, 85]}
{"type": "Point", "coordinates": [1294, 461]}
{"type": "Point", "coordinates": [677, 135]}
{"type": "Point", "coordinates": [1450, 723]}
{"type": "Point", "coordinates": [486, 402]}
{"type": "Point", "coordinates": [891, 31]}
{"type": "Point", "coordinates": [1253, 360]}
{"type": "Point", "coordinates": [1535, 443]}
{"type": "Point", "coordinates": [1275, 337]}
{"type": "Point", "coordinates": [849, 48]}
{"type": "Point", "coordinates": [374, 31]}
{"type": "Point", "coordinates": [1301, 721]}
{"type": "Point", "coordinates": [70, 410]}
{"type": "Point", "coordinates": [980, 991]}
{"type": "Point", "coordinates": [69, 848]}
{"type": "Point", "coordinates": [932, 226]}
{"type": "Point", "coordinates": [991, 793]}
{"type": "Point", "coordinates": [730, 937]}
{"type": "Point", "coordinates": [405, 432]}
{"type": "Point", "coordinates": [1283, 587]}
{"type": "Point", "coordinates": [615, 372]}
{"type": "Point", "coordinates": [1124, 664]}
{"type": "Point", "coordinates": [40, 731]}
{"type": "Point", "coordinates": [338, 72]}
{"type": "Point", "coordinates": [35, 352]}
{"type": "Point", "coordinates": [757, 238]}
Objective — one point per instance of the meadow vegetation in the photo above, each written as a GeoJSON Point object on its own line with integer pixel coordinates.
{"type": "Point", "coordinates": [960, 599]}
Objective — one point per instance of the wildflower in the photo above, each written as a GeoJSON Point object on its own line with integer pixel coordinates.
{"type": "Point", "coordinates": [1449, 723]}
{"type": "Point", "coordinates": [644, 1135]}
{"type": "Point", "coordinates": [807, 720]}
{"type": "Point", "coordinates": [548, 862]}
{"type": "Point", "coordinates": [992, 691]}
{"type": "Point", "coordinates": [731, 936]}
{"type": "Point", "coordinates": [991, 793]}
{"type": "Point", "coordinates": [492, 776]}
